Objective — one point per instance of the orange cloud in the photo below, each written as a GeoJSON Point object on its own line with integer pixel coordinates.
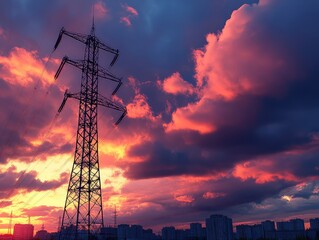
{"type": "Point", "coordinates": [211, 195]}
{"type": "Point", "coordinates": [191, 118]}
{"type": "Point", "coordinates": [139, 107]}
{"type": "Point", "coordinates": [184, 198]}
{"type": "Point", "coordinates": [236, 62]}
{"type": "Point", "coordinates": [261, 170]}
{"type": "Point", "coordinates": [23, 67]}
{"type": "Point", "coordinates": [175, 85]}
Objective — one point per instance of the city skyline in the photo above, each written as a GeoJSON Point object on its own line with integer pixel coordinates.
{"type": "Point", "coordinates": [215, 227]}
{"type": "Point", "coordinates": [222, 107]}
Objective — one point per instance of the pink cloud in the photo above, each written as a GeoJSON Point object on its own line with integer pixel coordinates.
{"type": "Point", "coordinates": [232, 64]}
{"type": "Point", "coordinates": [100, 10]}
{"type": "Point", "coordinates": [131, 10]}
{"type": "Point", "coordinates": [139, 107]}
{"type": "Point", "coordinates": [190, 118]}
{"type": "Point", "coordinates": [211, 195]}
{"type": "Point", "coordinates": [126, 21]}
{"type": "Point", "coordinates": [262, 171]}
{"type": "Point", "coordinates": [175, 85]}
{"type": "Point", "coordinates": [184, 198]}
{"type": "Point", "coordinates": [238, 62]}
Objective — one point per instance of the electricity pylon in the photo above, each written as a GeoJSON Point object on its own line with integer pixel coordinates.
{"type": "Point", "coordinates": [83, 213]}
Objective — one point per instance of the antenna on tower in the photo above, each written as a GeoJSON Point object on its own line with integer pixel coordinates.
{"type": "Point", "coordinates": [29, 220]}
{"type": "Point", "coordinates": [115, 217]}
{"type": "Point", "coordinates": [10, 224]}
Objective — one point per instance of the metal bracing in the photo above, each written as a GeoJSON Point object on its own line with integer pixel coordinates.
{"type": "Point", "coordinates": [83, 213]}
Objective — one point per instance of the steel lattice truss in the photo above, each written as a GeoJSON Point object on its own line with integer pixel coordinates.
{"type": "Point", "coordinates": [83, 213]}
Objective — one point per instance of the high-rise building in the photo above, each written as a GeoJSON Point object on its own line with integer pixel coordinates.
{"type": "Point", "coordinates": [243, 231]}
{"type": "Point", "coordinates": [136, 232]}
{"type": "Point", "coordinates": [257, 231]}
{"type": "Point", "coordinates": [219, 227]}
{"type": "Point", "coordinates": [168, 233]}
{"type": "Point", "coordinates": [109, 233]}
{"type": "Point", "coordinates": [285, 226]}
{"type": "Point", "coordinates": [23, 232]}
{"type": "Point", "coordinates": [314, 223]}
{"type": "Point", "coordinates": [269, 229]}
{"type": "Point", "coordinates": [294, 228]}
{"type": "Point", "coordinates": [195, 231]}
{"type": "Point", "coordinates": [181, 234]}
{"type": "Point", "coordinates": [298, 224]}
{"type": "Point", "coordinates": [123, 231]}
{"type": "Point", "coordinates": [268, 226]}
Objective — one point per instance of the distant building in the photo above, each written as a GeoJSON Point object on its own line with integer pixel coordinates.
{"type": "Point", "coordinates": [135, 232]}
{"type": "Point", "coordinates": [314, 224]}
{"type": "Point", "coordinates": [168, 233]}
{"type": "Point", "coordinates": [195, 231]}
{"type": "Point", "coordinates": [269, 229]}
{"type": "Point", "coordinates": [243, 232]}
{"type": "Point", "coordinates": [42, 235]}
{"type": "Point", "coordinates": [23, 232]}
{"type": "Point", "coordinates": [292, 229]}
{"type": "Point", "coordinates": [123, 231]}
{"type": "Point", "coordinates": [298, 224]}
{"type": "Point", "coordinates": [257, 232]}
{"type": "Point", "coordinates": [285, 226]}
{"type": "Point", "coordinates": [109, 233]}
{"type": "Point", "coordinates": [149, 235]}
{"type": "Point", "coordinates": [219, 227]}
{"type": "Point", "coordinates": [181, 234]}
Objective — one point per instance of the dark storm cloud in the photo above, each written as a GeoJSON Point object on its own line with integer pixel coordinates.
{"type": "Point", "coordinates": [275, 118]}
{"type": "Point", "coordinates": [12, 182]}
{"type": "Point", "coordinates": [205, 197]}
{"type": "Point", "coordinates": [24, 117]}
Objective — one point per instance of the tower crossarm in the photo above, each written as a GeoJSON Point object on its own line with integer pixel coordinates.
{"type": "Point", "coordinates": [101, 100]}
{"type": "Point", "coordinates": [106, 48]}
{"type": "Point", "coordinates": [77, 36]}
{"type": "Point", "coordinates": [103, 73]}
{"type": "Point", "coordinates": [76, 63]}
{"type": "Point", "coordinates": [105, 102]}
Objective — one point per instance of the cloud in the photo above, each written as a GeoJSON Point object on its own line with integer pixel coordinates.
{"type": "Point", "coordinates": [175, 85]}
{"type": "Point", "coordinates": [139, 107]}
{"type": "Point", "coordinates": [131, 10]}
{"type": "Point", "coordinates": [39, 210]}
{"type": "Point", "coordinates": [100, 10]}
{"type": "Point", "coordinates": [24, 67]}
{"type": "Point", "coordinates": [12, 182]}
{"type": "Point", "coordinates": [132, 13]}
{"type": "Point", "coordinates": [4, 204]}
{"type": "Point", "coordinates": [126, 21]}
{"type": "Point", "coordinates": [251, 102]}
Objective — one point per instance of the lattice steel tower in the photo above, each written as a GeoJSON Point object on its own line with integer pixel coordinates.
{"type": "Point", "coordinates": [83, 213]}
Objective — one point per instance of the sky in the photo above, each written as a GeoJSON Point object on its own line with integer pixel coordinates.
{"type": "Point", "coordinates": [222, 100]}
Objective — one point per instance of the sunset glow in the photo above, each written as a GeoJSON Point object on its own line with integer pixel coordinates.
{"type": "Point", "coordinates": [222, 101]}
